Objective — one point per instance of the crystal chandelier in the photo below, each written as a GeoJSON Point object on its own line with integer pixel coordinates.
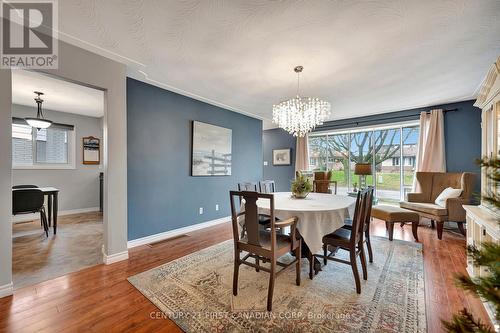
{"type": "Point", "coordinates": [300, 115]}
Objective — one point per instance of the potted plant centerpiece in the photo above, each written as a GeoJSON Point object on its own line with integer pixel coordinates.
{"type": "Point", "coordinates": [301, 187]}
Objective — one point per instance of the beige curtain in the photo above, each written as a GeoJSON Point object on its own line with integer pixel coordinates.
{"type": "Point", "coordinates": [301, 154]}
{"type": "Point", "coordinates": [431, 146]}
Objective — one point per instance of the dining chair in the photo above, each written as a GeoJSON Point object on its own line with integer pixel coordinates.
{"type": "Point", "coordinates": [247, 186]}
{"type": "Point", "coordinates": [16, 187]}
{"type": "Point", "coordinates": [267, 246]}
{"type": "Point", "coordinates": [28, 201]}
{"type": "Point", "coordinates": [266, 186]}
{"type": "Point", "coordinates": [322, 182]}
{"type": "Point", "coordinates": [366, 225]}
{"type": "Point", "coordinates": [264, 220]}
{"type": "Point", "coordinates": [350, 240]}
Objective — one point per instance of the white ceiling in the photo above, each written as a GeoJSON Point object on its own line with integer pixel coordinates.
{"type": "Point", "coordinates": [59, 95]}
{"type": "Point", "coordinates": [365, 57]}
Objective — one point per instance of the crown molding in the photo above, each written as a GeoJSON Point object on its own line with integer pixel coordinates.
{"type": "Point", "coordinates": [487, 84]}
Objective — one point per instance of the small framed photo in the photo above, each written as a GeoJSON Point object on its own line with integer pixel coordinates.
{"type": "Point", "coordinates": [91, 150]}
{"type": "Point", "coordinates": [282, 156]}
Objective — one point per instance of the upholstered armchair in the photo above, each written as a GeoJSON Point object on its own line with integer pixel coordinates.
{"type": "Point", "coordinates": [431, 185]}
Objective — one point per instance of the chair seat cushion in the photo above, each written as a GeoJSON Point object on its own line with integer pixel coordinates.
{"type": "Point", "coordinates": [265, 240]}
{"type": "Point", "coordinates": [424, 207]}
{"type": "Point", "coordinates": [266, 219]}
{"type": "Point", "coordinates": [339, 237]}
{"type": "Point", "coordinates": [347, 224]}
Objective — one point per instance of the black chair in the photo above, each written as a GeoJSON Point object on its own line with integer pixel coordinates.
{"type": "Point", "coordinates": [266, 186]}
{"type": "Point", "coordinates": [366, 226]}
{"type": "Point", "coordinates": [23, 186]}
{"type": "Point", "coordinates": [28, 201]}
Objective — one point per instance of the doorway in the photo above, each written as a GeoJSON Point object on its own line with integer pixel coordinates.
{"type": "Point", "coordinates": [65, 162]}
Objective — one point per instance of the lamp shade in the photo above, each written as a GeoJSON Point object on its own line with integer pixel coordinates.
{"type": "Point", "coordinates": [363, 169]}
{"type": "Point", "coordinates": [38, 122]}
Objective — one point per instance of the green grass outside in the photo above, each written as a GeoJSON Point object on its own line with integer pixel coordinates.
{"type": "Point", "coordinates": [390, 181]}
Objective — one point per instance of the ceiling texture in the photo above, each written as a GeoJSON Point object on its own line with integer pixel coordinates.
{"type": "Point", "coordinates": [364, 57]}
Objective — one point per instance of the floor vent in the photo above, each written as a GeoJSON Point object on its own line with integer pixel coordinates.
{"type": "Point", "coordinates": [166, 240]}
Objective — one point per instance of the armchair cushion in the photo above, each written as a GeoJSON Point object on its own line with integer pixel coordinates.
{"type": "Point", "coordinates": [447, 193]}
{"type": "Point", "coordinates": [424, 207]}
{"type": "Point", "coordinates": [418, 197]}
{"type": "Point", "coordinates": [443, 180]}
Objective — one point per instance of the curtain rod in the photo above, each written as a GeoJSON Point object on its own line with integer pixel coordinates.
{"type": "Point", "coordinates": [415, 116]}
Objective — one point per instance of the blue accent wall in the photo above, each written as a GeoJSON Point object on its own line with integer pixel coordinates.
{"type": "Point", "coordinates": [462, 132]}
{"type": "Point", "coordinates": [162, 195]}
{"type": "Point", "coordinates": [281, 174]}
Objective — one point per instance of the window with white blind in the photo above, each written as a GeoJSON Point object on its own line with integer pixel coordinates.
{"type": "Point", "coordinates": [47, 148]}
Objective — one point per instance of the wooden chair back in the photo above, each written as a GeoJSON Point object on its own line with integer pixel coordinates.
{"type": "Point", "coordinates": [322, 182]}
{"type": "Point", "coordinates": [358, 220]}
{"type": "Point", "coordinates": [369, 205]}
{"type": "Point", "coordinates": [251, 218]}
{"type": "Point", "coordinates": [247, 186]}
{"type": "Point", "coordinates": [267, 186]}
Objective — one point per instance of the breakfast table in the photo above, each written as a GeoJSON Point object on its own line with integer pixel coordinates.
{"type": "Point", "coordinates": [319, 214]}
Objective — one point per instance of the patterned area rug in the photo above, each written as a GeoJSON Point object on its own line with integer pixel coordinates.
{"type": "Point", "coordinates": [196, 293]}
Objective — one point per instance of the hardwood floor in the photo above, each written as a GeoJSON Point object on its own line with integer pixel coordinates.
{"type": "Point", "coordinates": [37, 258]}
{"type": "Point", "coordinates": [99, 299]}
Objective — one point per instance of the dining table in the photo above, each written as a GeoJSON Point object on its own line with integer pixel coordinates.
{"type": "Point", "coordinates": [318, 214]}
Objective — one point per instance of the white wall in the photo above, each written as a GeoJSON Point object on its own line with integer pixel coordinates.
{"type": "Point", "coordinates": [84, 67]}
{"type": "Point", "coordinates": [79, 66]}
{"type": "Point", "coordinates": [5, 183]}
{"type": "Point", "coordinates": [79, 187]}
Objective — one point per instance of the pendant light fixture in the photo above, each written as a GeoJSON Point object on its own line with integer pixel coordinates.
{"type": "Point", "coordinates": [299, 115]}
{"type": "Point", "coordinates": [38, 122]}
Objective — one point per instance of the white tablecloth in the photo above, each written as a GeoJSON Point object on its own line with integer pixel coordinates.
{"type": "Point", "coordinates": [319, 214]}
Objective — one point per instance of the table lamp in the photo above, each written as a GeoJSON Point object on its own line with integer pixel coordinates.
{"type": "Point", "coordinates": [362, 170]}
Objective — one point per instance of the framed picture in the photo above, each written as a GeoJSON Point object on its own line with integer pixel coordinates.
{"type": "Point", "coordinates": [282, 156]}
{"type": "Point", "coordinates": [91, 150]}
{"type": "Point", "coordinates": [211, 150]}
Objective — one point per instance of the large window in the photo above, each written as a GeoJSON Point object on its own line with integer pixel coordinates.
{"type": "Point", "coordinates": [391, 150]}
{"type": "Point", "coordinates": [52, 147]}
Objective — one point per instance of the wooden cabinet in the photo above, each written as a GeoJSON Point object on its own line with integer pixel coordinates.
{"type": "Point", "coordinates": [482, 221]}
{"type": "Point", "coordinates": [482, 226]}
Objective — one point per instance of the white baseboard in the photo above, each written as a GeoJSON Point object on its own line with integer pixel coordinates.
{"type": "Point", "coordinates": [31, 217]}
{"type": "Point", "coordinates": [176, 232]}
{"type": "Point", "coordinates": [112, 258]}
{"type": "Point", "coordinates": [6, 290]}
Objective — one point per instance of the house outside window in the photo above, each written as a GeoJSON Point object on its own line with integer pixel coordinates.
{"type": "Point", "coordinates": [391, 149]}
{"type": "Point", "coordinates": [50, 148]}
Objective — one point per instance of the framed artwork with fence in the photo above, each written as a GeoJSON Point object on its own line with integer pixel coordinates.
{"type": "Point", "coordinates": [211, 150]}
